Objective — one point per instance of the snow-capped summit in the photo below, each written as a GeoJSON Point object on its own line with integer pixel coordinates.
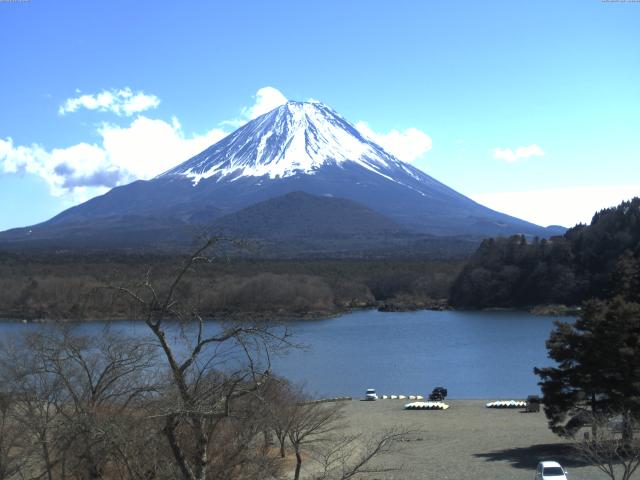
{"type": "Point", "coordinates": [295, 138]}
{"type": "Point", "coordinates": [299, 171]}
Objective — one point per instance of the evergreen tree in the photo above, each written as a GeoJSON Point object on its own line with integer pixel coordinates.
{"type": "Point", "coordinates": [598, 367]}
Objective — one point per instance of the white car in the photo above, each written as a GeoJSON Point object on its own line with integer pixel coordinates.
{"type": "Point", "coordinates": [371, 394]}
{"type": "Point", "coordinates": [550, 471]}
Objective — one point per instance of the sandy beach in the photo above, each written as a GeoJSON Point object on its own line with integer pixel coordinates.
{"type": "Point", "coordinates": [467, 441]}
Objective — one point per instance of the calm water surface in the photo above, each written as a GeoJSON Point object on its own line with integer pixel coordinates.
{"type": "Point", "coordinates": [473, 354]}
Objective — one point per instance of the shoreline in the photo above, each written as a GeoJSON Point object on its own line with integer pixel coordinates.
{"type": "Point", "coordinates": [439, 305]}
{"type": "Point", "coordinates": [241, 316]}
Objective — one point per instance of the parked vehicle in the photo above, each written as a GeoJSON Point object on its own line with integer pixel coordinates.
{"type": "Point", "coordinates": [371, 394]}
{"type": "Point", "coordinates": [533, 403]}
{"type": "Point", "coordinates": [549, 470]}
{"type": "Point", "coordinates": [438, 394]}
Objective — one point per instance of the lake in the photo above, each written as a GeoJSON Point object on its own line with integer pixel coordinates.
{"type": "Point", "coordinates": [488, 355]}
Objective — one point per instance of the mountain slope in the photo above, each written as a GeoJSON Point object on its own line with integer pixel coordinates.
{"type": "Point", "coordinates": [292, 139]}
{"type": "Point", "coordinates": [309, 147]}
{"type": "Point", "coordinates": [299, 214]}
{"type": "Point", "coordinates": [298, 147]}
{"type": "Point", "coordinates": [298, 225]}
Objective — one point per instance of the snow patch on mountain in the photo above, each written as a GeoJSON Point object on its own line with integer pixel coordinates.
{"type": "Point", "coordinates": [295, 138]}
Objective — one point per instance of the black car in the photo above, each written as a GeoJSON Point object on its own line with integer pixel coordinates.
{"type": "Point", "coordinates": [438, 394]}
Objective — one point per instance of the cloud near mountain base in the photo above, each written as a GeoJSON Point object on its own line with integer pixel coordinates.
{"type": "Point", "coordinates": [141, 150]}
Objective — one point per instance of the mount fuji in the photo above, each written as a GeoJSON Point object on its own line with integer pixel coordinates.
{"type": "Point", "coordinates": [296, 172]}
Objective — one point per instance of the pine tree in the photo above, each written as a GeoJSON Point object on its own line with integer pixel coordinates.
{"type": "Point", "coordinates": [598, 367]}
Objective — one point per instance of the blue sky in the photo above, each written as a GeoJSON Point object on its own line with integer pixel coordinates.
{"type": "Point", "coordinates": [532, 107]}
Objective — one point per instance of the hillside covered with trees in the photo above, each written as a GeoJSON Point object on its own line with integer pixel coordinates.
{"type": "Point", "coordinates": [588, 261]}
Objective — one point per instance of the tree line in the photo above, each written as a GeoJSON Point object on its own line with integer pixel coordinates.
{"type": "Point", "coordinates": [598, 260]}
{"type": "Point", "coordinates": [71, 286]}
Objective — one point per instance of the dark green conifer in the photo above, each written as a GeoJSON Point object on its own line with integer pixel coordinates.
{"type": "Point", "coordinates": [598, 367]}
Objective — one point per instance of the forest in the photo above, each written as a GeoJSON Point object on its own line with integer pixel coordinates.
{"type": "Point", "coordinates": [76, 286]}
{"type": "Point", "coordinates": [588, 261]}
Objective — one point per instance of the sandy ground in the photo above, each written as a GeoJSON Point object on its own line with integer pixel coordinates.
{"type": "Point", "coordinates": [467, 441]}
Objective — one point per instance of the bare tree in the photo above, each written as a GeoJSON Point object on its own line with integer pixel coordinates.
{"type": "Point", "coordinates": [315, 430]}
{"type": "Point", "coordinates": [36, 411]}
{"type": "Point", "coordinates": [76, 399]}
{"type": "Point", "coordinates": [101, 379]}
{"type": "Point", "coordinates": [279, 404]}
{"type": "Point", "coordinates": [312, 423]}
{"type": "Point", "coordinates": [14, 444]}
{"type": "Point", "coordinates": [206, 377]}
{"type": "Point", "coordinates": [609, 447]}
{"type": "Point", "coordinates": [349, 456]}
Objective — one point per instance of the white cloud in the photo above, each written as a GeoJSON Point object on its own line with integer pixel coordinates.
{"type": "Point", "coordinates": [141, 150]}
{"type": "Point", "coordinates": [408, 145]}
{"type": "Point", "coordinates": [558, 206]}
{"type": "Point", "coordinates": [79, 171]}
{"type": "Point", "coordinates": [121, 102]}
{"type": "Point", "coordinates": [266, 99]}
{"type": "Point", "coordinates": [148, 147]}
{"type": "Point", "coordinates": [510, 156]}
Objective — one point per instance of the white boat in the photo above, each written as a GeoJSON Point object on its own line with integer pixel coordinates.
{"type": "Point", "coordinates": [426, 406]}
